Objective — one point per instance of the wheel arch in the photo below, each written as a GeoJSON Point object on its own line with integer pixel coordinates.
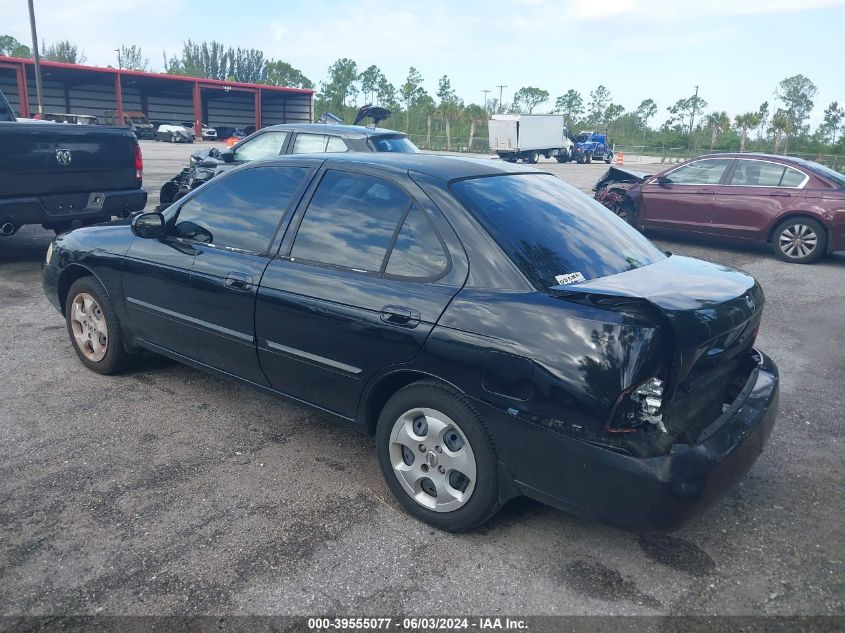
{"type": "Point", "coordinates": [385, 386]}
{"type": "Point", "coordinates": [69, 275]}
{"type": "Point", "coordinates": [791, 215]}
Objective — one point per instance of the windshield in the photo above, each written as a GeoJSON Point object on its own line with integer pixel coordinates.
{"type": "Point", "coordinates": [552, 231]}
{"type": "Point", "coordinates": [582, 137]}
{"type": "Point", "coordinates": [399, 144]}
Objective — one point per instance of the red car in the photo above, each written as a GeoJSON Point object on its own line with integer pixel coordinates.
{"type": "Point", "coordinates": [795, 205]}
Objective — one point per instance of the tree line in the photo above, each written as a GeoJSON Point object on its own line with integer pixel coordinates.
{"type": "Point", "coordinates": [780, 126]}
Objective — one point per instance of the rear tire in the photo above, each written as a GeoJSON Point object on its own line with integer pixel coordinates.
{"type": "Point", "coordinates": [532, 158]}
{"type": "Point", "coordinates": [799, 240]}
{"type": "Point", "coordinates": [431, 483]}
{"type": "Point", "coordinates": [93, 327]}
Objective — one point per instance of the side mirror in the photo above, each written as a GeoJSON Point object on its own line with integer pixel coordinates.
{"type": "Point", "coordinates": [228, 156]}
{"type": "Point", "coordinates": [663, 181]}
{"type": "Point", "coordinates": [148, 225]}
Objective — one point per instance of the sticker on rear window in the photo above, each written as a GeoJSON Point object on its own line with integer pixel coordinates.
{"type": "Point", "coordinates": [569, 278]}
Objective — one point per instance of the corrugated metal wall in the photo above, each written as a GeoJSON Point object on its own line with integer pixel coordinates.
{"type": "Point", "coordinates": [234, 109]}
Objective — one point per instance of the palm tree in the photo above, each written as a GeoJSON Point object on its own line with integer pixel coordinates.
{"type": "Point", "coordinates": [474, 114]}
{"type": "Point", "coordinates": [448, 110]}
{"type": "Point", "coordinates": [744, 123]}
{"type": "Point", "coordinates": [425, 104]}
{"type": "Point", "coordinates": [717, 123]}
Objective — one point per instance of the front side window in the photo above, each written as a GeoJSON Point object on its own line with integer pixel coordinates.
{"type": "Point", "coordinates": [350, 221]}
{"type": "Point", "coordinates": [262, 146]}
{"type": "Point", "coordinates": [242, 210]}
{"type": "Point", "coordinates": [700, 172]}
{"type": "Point", "coordinates": [552, 230]}
{"type": "Point", "coordinates": [417, 252]}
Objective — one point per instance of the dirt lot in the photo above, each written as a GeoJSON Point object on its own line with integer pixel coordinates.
{"type": "Point", "coordinates": [167, 491]}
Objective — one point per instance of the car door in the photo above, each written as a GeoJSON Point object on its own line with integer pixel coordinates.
{"type": "Point", "coordinates": [156, 278]}
{"type": "Point", "coordinates": [362, 276]}
{"type": "Point", "coordinates": [232, 224]}
{"type": "Point", "coordinates": [683, 198]}
{"type": "Point", "coordinates": [756, 192]}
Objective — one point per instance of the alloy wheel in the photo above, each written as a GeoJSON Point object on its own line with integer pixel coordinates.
{"type": "Point", "coordinates": [88, 324]}
{"type": "Point", "coordinates": [797, 241]}
{"type": "Point", "coordinates": [432, 459]}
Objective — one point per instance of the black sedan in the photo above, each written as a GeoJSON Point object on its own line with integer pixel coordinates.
{"type": "Point", "coordinates": [499, 332]}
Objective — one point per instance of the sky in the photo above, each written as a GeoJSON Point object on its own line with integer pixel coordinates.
{"type": "Point", "coordinates": [736, 51]}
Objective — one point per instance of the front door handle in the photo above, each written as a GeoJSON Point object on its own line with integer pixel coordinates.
{"type": "Point", "coordinates": [238, 281]}
{"type": "Point", "coordinates": [400, 315]}
{"type": "Point", "coordinates": [703, 192]}
{"type": "Point", "coordinates": [781, 194]}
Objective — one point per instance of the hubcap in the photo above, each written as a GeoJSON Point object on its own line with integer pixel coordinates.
{"type": "Point", "coordinates": [432, 459]}
{"type": "Point", "coordinates": [798, 240]}
{"type": "Point", "coordinates": [88, 324]}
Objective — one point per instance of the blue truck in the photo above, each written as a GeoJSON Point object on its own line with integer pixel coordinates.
{"type": "Point", "coordinates": [591, 146]}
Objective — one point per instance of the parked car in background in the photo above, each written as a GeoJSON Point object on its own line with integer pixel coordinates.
{"type": "Point", "coordinates": [134, 120]}
{"type": "Point", "coordinates": [529, 136]}
{"type": "Point", "coordinates": [289, 138]}
{"type": "Point", "coordinates": [174, 133]}
{"type": "Point", "coordinates": [73, 119]}
{"type": "Point", "coordinates": [496, 330]}
{"type": "Point", "coordinates": [208, 133]}
{"type": "Point", "coordinates": [590, 146]}
{"type": "Point", "coordinates": [796, 206]}
{"type": "Point", "coordinates": [63, 176]}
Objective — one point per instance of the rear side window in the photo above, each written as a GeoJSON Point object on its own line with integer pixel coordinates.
{"type": "Point", "coordinates": [553, 232]}
{"type": "Point", "coordinates": [350, 221]}
{"type": "Point", "coordinates": [700, 172]}
{"type": "Point", "coordinates": [242, 210]}
{"type": "Point", "coordinates": [418, 252]}
{"type": "Point", "coordinates": [792, 178]}
{"type": "Point", "coordinates": [262, 146]}
{"type": "Point", "coordinates": [317, 144]}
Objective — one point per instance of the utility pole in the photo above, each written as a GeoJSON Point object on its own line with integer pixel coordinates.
{"type": "Point", "coordinates": [119, 63]}
{"type": "Point", "coordinates": [499, 108]}
{"type": "Point", "coordinates": [37, 58]}
{"type": "Point", "coordinates": [692, 119]}
{"type": "Point", "coordinates": [485, 99]}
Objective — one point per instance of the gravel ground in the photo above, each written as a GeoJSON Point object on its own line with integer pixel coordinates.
{"type": "Point", "coordinates": [166, 491]}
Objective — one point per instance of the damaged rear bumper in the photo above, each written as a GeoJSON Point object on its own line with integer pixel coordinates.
{"type": "Point", "coordinates": [656, 493]}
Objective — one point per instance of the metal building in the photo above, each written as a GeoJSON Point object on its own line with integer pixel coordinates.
{"type": "Point", "coordinates": [75, 89]}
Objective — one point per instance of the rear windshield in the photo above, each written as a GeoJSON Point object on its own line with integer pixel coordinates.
{"type": "Point", "coordinates": [553, 232]}
{"type": "Point", "coordinates": [399, 144]}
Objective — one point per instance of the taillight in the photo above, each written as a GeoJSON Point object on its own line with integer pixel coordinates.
{"type": "Point", "coordinates": [637, 406]}
{"type": "Point", "coordinates": [139, 163]}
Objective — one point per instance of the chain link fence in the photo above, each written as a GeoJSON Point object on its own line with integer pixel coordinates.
{"type": "Point", "coordinates": [633, 154]}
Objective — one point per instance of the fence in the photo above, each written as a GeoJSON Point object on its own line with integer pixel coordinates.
{"type": "Point", "coordinates": [633, 153]}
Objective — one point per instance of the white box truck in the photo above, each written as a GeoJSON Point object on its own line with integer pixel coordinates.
{"type": "Point", "coordinates": [529, 136]}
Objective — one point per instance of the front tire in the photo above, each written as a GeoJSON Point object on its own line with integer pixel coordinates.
{"type": "Point", "coordinates": [563, 156]}
{"type": "Point", "coordinates": [93, 327]}
{"type": "Point", "coordinates": [532, 158]}
{"type": "Point", "coordinates": [799, 241]}
{"type": "Point", "coordinates": [437, 457]}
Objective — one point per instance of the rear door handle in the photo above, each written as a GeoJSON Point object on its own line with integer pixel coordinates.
{"type": "Point", "coordinates": [400, 315]}
{"type": "Point", "coordinates": [238, 281]}
{"type": "Point", "coordinates": [703, 192]}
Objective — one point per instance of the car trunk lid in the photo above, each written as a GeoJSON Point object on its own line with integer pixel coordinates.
{"type": "Point", "coordinates": [707, 306]}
